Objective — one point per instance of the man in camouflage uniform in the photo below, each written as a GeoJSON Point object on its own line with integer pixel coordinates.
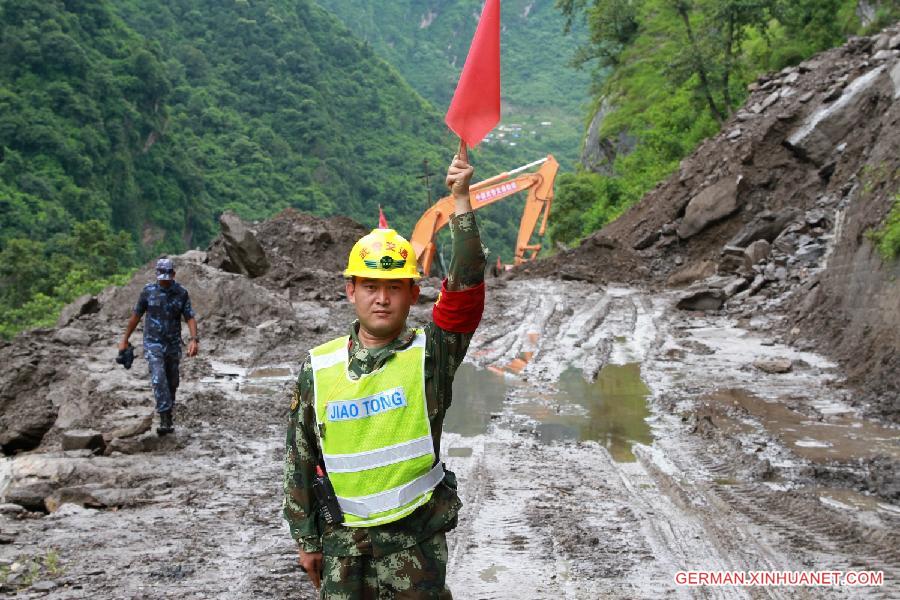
{"type": "Point", "coordinates": [408, 557]}
{"type": "Point", "coordinates": [166, 303]}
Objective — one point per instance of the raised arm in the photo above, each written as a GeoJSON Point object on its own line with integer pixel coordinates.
{"type": "Point", "coordinates": [467, 263]}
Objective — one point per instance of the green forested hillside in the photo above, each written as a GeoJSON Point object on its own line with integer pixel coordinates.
{"type": "Point", "coordinates": [674, 71]}
{"type": "Point", "coordinates": [126, 128]}
{"type": "Point", "coordinates": [428, 40]}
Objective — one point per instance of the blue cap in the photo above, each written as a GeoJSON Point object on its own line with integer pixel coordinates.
{"type": "Point", "coordinates": [165, 269]}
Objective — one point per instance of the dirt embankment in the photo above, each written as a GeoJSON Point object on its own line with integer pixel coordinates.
{"type": "Point", "coordinates": [49, 387]}
{"type": "Point", "coordinates": [774, 212]}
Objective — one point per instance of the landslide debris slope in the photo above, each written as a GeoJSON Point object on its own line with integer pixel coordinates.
{"type": "Point", "coordinates": [775, 213]}
{"type": "Point", "coordinates": [121, 512]}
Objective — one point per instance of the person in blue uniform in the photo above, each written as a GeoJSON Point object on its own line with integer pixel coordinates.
{"type": "Point", "coordinates": [166, 303]}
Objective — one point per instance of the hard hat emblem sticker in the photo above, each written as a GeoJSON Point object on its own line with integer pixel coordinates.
{"type": "Point", "coordinates": [386, 263]}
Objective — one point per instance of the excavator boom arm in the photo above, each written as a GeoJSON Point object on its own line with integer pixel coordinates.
{"type": "Point", "coordinates": [540, 194]}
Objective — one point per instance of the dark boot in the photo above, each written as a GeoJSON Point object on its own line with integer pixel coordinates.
{"type": "Point", "coordinates": [165, 423]}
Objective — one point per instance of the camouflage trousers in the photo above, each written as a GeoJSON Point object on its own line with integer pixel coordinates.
{"type": "Point", "coordinates": [164, 377]}
{"type": "Point", "coordinates": [416, 573]}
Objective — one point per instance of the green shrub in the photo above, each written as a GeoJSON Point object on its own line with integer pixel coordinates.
{"type": "Point", "coordinates": [887, 237]}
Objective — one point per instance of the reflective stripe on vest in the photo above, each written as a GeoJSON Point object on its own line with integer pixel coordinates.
{"type": "Point", "coordinates": [396, 497]}
{"type": "Point", "coordinates": [342, 463]}
{"type": "Point", "coordinates": [376, 444]}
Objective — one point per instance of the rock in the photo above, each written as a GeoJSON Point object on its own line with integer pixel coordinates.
{"type": "Point", "coordinates": [93, 495]}
{"type": "Point", "coordinates": [734, 134]}
{"type": "Point", "coordinates": [244, 251]}
{"type": "Point", "coordinates": [806, 97]}
{"type": "Point", "coordinates": [83, 305]}
{"type": "Point", "coordinates": [81, 439]}
{"type": "Point", "coordinates": [669, 229]}
{"type": "Point", "coordinates": [69, 336]}
{"type": "Point", "coordinates": [70, 510]}
{"type": "Point", "coordinates": [735, 286]}
{"type": "Point", "coordinates": [43, 586]}
{"type": "Point", "coordinates": [11, 509]}
{"type": "Point", "coordinates": [702, 300]}
{"type": "Point", "coordinates": [731, 264]}
{"type": "Point", "coordinates": [30, 496]}
{"type": "Point", "coordinates": [792, 77]}
{"type": "Point", "coordinates": [691, 273]}
{"type": "Point", "coordinates": [821, 131]}
{"type": "Point", "coordinates": [713, 203]}
{"type": "Point", "coordinates": [131, 427]}
{"type": "Point", "coordinates": [774, 365]}
{"type": "Point", "coordinates": [894, 42]}
{"type": "Point", "coordinates": [26, 411]}
{"type": "Point", "coordinates": [770, 100]}
{"type": "Point", "coordinates": [816, 217]}
{"type": "Point", "coordinates": [599, 153]}
{"type": "Point", "coordinates": [885, 55]}
{"type": "Point", "coordinates": [194, 256]}
{"type": "Point", "coordinates": [646, 241]}
{"type": "Point", "coordinates": [146, 442]}
{"type": "Point", "coordinates": [810, 254]}
{"type": "Point", "coordinates": [757, 251]}
{"type": "Point", "coordinates": [757, 284]}
{"type": "Point", "coordinates": [764, 226]}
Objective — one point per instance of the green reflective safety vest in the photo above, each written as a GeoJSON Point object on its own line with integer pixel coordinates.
{"type": "Point", "coordinates": [375, 433]}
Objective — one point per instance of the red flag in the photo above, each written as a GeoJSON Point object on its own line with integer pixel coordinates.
{"type": "Point", "coordinates": [475, 108]}
{"type": "Point", "coordinates": [382, 221]}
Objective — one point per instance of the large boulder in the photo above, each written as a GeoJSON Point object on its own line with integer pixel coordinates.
{"type": "Point", "coordinates": [713, 203]}
{"type": "Point", "coordinates": [83, 305]}
{"type": "Point", "coordinates": [83, 439]}
{"type": "Point", "coordinates": [767, 225]}
{"type": "Point", "coordinates": [823, 131]}
{"type": "Point", "coordinates": [702, 299]}
{"type": "Point", "coordinates": [26, 411]}
{"type": "Point", "coordinates": [245, 253]}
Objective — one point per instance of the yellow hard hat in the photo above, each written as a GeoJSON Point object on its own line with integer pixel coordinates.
{"type": "Point", "coordinates": [383, 254]}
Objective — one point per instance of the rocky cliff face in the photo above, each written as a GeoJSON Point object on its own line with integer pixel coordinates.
{"type": "Point", "coordinates": [773, 214]}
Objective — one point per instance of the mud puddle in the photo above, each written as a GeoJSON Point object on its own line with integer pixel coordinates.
{"type": "Point", "coordinates": [850, 500]}
{"type": "Point", "coordinates": [611, 410]}
{"type": "Point", "coordinates": [816, 436]}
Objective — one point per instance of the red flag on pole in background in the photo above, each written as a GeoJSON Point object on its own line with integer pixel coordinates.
{"type": "Point", "coordinates": [475, 108]}
{"type": "Point", "coordinates": [382, 222]}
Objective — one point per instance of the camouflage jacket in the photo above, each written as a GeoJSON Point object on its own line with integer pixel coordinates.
{"type": "Point", "coordinates": [444, 351]}
{"type": "Point", "coordinates": [165, 307]}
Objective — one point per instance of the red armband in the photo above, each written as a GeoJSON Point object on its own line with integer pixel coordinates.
{"type": "Point", "coordinates": [459, 312]}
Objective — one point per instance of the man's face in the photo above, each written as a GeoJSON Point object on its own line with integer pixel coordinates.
{"type": "Point", "coordinates": [166, 282]}
{"type": "Point", "coordinates": [382, 305]}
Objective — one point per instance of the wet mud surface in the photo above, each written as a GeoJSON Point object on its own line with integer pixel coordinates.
{"type": "Point", "coordinates": [603, 441]}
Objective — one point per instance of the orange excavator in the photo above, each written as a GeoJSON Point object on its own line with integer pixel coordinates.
{"type": "Point", "coordinates": [540, 196]}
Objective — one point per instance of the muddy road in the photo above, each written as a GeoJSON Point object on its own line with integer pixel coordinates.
{"type": "Point", "coordinates": [603, 442]}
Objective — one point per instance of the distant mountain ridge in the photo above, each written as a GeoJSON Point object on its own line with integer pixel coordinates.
{"type": "Point", "coordinates": [127, 127]}
{"type": "Point", "coordinates": [427, 41]}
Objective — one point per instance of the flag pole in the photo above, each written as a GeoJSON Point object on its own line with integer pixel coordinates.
{"type": "Point", "coordinates": [463, 152]}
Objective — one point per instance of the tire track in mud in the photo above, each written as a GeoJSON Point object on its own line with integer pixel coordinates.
{"type": "Point", "coordinates": [684, 505]}
{"type": "Point", "coordinates": [819, 530]}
